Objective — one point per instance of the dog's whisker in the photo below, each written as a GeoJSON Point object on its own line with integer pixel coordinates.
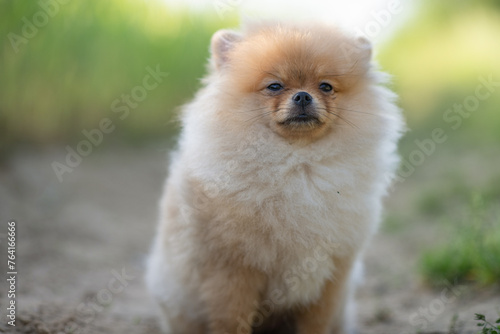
{"type": "Point", "coordinates": [343, 119]}
{"type": "Point", "coordinates": [356, 111]}
{"type": "Point", "coordinates": [250, 110]}
{"type": "Point", "coordinates": [350, 110]}
{"type": "Point", "coordinates": [253, 119]}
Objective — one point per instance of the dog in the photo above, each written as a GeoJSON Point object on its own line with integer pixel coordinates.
{"type": "Point", "coordinates": [285, 155]}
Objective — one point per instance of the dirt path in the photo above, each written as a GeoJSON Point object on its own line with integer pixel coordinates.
{"type": "Point", "coordinates": [81, 246]}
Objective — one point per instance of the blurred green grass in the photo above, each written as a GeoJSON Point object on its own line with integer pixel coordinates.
{"type": "Point", "coordinates": [90, 53]}
{"type": "Point", "coordinates": [472, 253]}
{"type": "Point", "coordinates": [436, 60]}
{"type": "Point", "coordinates": [66, 77]}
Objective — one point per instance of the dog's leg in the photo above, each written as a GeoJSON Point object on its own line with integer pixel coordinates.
{"type": "Point", "coordinates": [231, 297]}
{"type": "Point", "coordinates": [326, 315]}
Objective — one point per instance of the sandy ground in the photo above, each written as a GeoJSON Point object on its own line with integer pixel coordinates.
{"type": "Point", "coordinates": [81, 246]}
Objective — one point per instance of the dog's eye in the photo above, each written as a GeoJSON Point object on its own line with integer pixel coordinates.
{"type": "Point", "coordinates": [275, 87]}
{"type": "Point", "coordinates": [325, 87]}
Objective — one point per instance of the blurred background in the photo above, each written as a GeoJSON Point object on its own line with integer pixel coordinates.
{"type": "Point", "coordinates": [89, 92]}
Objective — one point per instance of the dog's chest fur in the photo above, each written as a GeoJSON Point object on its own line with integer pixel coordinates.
{"type": "Point", "coordinates": [288, 215]}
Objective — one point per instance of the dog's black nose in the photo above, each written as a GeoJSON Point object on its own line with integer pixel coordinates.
{"type": "Point", "coordinates": [302, 99]}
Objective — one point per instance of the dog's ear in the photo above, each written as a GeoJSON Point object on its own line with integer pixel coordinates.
{"type": "Point", "coordinates": [222, 42]}
{"type": "Point", "coordinates": [357, 54]}
{"type": "Point", "coordinates": [364, 50]}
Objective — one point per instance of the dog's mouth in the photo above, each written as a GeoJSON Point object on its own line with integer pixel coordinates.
{"type": "Point", "coordinates": [301, 120]}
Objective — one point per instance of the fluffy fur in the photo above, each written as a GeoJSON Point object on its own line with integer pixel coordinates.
{"type": "Point", "coordinates": [272, 196]}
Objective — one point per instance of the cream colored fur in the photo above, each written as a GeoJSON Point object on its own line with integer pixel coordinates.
{"type": "Point", "coordinates": [297, 212]}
